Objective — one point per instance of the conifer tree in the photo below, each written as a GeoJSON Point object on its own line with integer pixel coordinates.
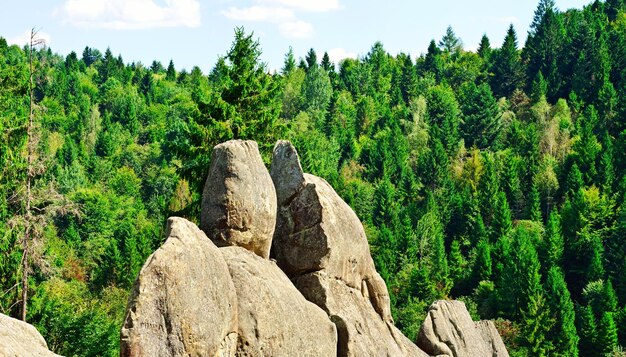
{"type": "Point", "coordinates": [606, 339]}
{"type": "Point", "coordinates": [171, 72]}
{"type": "Point", "coordinates": [290, 63]}
{"type": "Point", "coordinates": [484, 48]}
{"type": "Point", "coordinates": [502, 222]}
{"type": "Point", "coordinates": [563, 334]}
{"type": "Point", "coordinates": [450, 43]}
{"type": "Point", "coordinates": [481, 118]}
{"type": "Point", "coordinates": [507, 67]}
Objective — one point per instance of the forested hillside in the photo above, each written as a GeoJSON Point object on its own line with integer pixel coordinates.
{"type": "Point", "coordinates": [497, 177]}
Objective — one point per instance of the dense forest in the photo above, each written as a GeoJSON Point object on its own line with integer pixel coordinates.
{"type": "Point", "coordinates": [497, 177]}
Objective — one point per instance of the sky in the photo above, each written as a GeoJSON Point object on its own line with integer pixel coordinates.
{"type": "Point", "coordinates": [197, 32]}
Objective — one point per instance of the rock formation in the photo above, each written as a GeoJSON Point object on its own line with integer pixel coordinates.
{"type": "Point", "coordinates": [17, 338]}
{"type": "Point", "coordinates": [183, 302]}
{"type": "Point", "coordinates": [321, 296]}
{"type": "Point", "coordinates": [321, 245]}
{"type": "Point", "coordinates": [450, 331]}
{"type": "Point", "coordinates": [490, 335]}
{"type": "Point", "coordinates": [239, 201]}
{"type": "Point", "coordinates": [274, 318]}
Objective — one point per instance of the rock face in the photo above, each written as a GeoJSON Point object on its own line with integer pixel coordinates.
{"type": "Point", "coordinates": [321, 245]}
{"type": "Point", "coordinates": [274, 318]}
{"type": "Point", "coordinates": [450, 331]}
{"type": "Point", "coordinates": [321, 296]}
{"type": "Point", "coordinates": [239, 201]}
{"type": "Point", "coordinates": [18, 338]}
{"type": "Point", "coordinates": [183, 302]}
{"type": "Point", "coordinates": [490, 335]}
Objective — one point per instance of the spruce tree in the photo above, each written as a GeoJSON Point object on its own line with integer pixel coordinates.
{"type": "Point", "coordinates": [508, 70]}
{"type": "Point", "coordinates": [553, 242]}
{"type": "Point", "coordinates": [481, 117]}
{"type": "Point", "coordinates": [450, 43]}
{"type": "Point", "coordinates": [502, 222]}
{"type": "Point", "coordinates": [171, 72]}
{"type": "Point", "coordinates": [606, 338]}
{"type": "Point", "coordinates": [563, 334]}
{"type": "Point", "coordinates": [484, 48]}
{"type": "Point", "coordinates": [290, 63]}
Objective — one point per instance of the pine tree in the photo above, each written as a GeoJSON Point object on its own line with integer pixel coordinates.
{"type": "Point", "coordinates": [586, 327]}
{"type": "Point", "coordinates": [482, 265]}
{"type": "Point", "coordinates": [450, 43]}
{"type": "Point", "coordinates": [543, 49]}
{"type": "Point", "coordinates": [290, 63]}
{"type": "Point", "coordinates": [606, 338]}
{"type": "Point", "coordinates": [326, 64]}
{"type": "Point", "coordinates": [484, 48]}
{"type": "Point", "coordinates": [534, 207]}
{"type": "Point", "coordinates": [433, 62]}
{"type": "Point", "coordinates": [171, 72]}
{"type": "Point", "coordinates": [481, 117]}
{"type": "Point", "coordinates": [502, 222]}
{"type": "Point", "coordinates": [553, 242]}
{"type": "Point", "coordinates": [563, 334]}
{"type": "Point", "coordinates": [508, 71]}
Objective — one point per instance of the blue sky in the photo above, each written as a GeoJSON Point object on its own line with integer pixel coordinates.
{"type": "Point", "coordinates": [196, 32]}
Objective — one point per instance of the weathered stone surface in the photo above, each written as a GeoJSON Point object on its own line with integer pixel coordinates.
{"type": "Point", "coordinates": [490, 335]}
{"type": "Point", "coordinates": [17, 338]}
{"type": "Point", "coordinates": [274, 318]}
{"type": "Point", "coordinates": [183, 302]}
{"type": "Point", "coordinates": [239, 200]}
{"type": "Point", "coordinates": [449, 331]}
{"type": "Point", "coordinates": [321, 245]}
{"type": "Point", "coordinates": [361, 330]}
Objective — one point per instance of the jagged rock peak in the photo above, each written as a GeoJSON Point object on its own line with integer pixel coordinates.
{"type": "Point", "coordinates": [449, 331]}
{"type": "Point", "coordinates": [239, 199]}
{"type": "Point", "coordinates": [183, 303]}
{"type": "Point", "coordinates": [17, 338]}
{"type": "Point", "coordinates": [321, 245]}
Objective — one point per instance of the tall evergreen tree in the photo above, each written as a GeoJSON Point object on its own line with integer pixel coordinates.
{"type": "Point", "coordinates": [563, 334]}
{"type": "Point", "coordinates": [450, 43]}
{"type": "Point", "coordinates": [290, 62]}
{"type": "Point", "coordinates": [508, 70]}
{"type": "Point", "coordinates": [481, 117]}
{"type": "Point", "coordinates": [484, 48]}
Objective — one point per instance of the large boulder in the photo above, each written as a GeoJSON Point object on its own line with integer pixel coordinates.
{"type": "Point", "coordinates": [490, 335]}
{"type": "Point", "coordinates": [17, 338]}
{"type": "Point", "coordinates": [321, 245]}
{"type": "Point", "coordinates": [184, 301]}
{"type": "Point", "coordinates": [449, 331]}
{"type": "Point", "coordinates": [274, 318]}
{"type": "Point", "coordinates": [239, 200]}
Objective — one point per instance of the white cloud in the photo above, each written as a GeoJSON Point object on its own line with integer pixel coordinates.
{"type": "Point", "coordinates": [296, 29]}
{"type": "Point", "coordinates": [24, 38]}
{"type": "Point", "coordinates": [307, 5]}
{"type": "Point", "coordinates": [259, 13]}
{"type": "Point", "coordinates": [130, 14]}
{"type": "Point", "coordinates": [508, 20]}
{"type": "Point", "coordinates": [283, 13]}
{"type": "Point", "coordinates": [338, 54]}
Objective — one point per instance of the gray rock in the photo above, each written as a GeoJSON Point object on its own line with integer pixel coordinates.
{"type": "Point", "coordinates": [449, 331]}
{"type": "Point", "coordinates": [239, 200]}
{"type": "Point", "coordinates": [274, 318]}
{"type": "Point", "coordinates": [183, 302]}
{"type": "Point", "coordinates": [321, 245]}
{"type": "Point", "coordinates": [19, 339]}
{"type": "Point", "coordinates": [361, 330]}
{"type": "Point", "coordinates": [490, 335]}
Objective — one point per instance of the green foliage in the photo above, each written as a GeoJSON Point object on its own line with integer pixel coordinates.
{"type": "Point", "coordinates": [443, 158]}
